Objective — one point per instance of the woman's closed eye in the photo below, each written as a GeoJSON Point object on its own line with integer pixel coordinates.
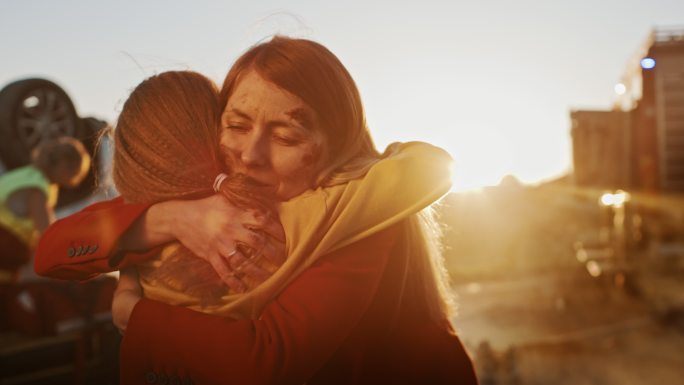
{"type": "Point", "coordinates": [286, 140]}
{"type": "Point", "coordinates": [236, 127]}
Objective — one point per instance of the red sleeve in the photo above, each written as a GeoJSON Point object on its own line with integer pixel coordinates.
{"type": "Point", "coordinates": [80, 246]}
{"type": "Point", "coordinates": [297, 333]}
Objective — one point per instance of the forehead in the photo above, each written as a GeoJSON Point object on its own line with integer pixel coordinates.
{"type": "Point", "coordinates": [255, 95]}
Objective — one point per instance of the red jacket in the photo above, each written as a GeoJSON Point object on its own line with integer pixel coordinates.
{"type": "Point", "coordinates": [351, 318]}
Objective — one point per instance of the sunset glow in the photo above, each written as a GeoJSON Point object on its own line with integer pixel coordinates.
{"type": "Point", "coordinates": [492, 83]}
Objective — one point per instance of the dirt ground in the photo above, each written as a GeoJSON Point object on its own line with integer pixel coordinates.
{"type": "Point", "coordinates": [566, 328]}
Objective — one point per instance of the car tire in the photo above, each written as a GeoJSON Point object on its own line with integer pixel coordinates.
{"type": "Point", "coordinates": [33, 111]}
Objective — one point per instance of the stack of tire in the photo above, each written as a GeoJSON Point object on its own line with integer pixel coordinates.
{"type": "Point", "coordinates": [33, 111]}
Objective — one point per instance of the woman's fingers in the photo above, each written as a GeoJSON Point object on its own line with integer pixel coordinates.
{"type": "Point", "coordinates": [244, 263]}
{"type": "Point", "coordinates": [236, 285]}
{"type": "Point", "coordinates": [239, 261]}
{"type": "Point", "coordinates": [257, 243]}
{"type": "Point", "coordinates": [221, 266]}
{"type": "Point", "coordinates": [253, 274]}
{"type": "Point", "coordinates": [235, 258]}
{"type": "Point", "coordinates": [257, 219]}
{"type": "Point", "coordinates": [247, 239]}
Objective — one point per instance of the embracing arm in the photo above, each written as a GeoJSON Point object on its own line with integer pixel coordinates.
{"type": "Point", "coordinates": [297, 333]}
{"type": "Point", "coordinates": [113, 235]}
{"type": "Point", "coordinates": [413, 176]}
{"type": "Point", "coordinates": [81, 245]}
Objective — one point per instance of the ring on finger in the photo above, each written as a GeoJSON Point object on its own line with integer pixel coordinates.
{"type": "Point", "coordinates": [255, 257]}
{"type": "Point", "coordinates": [235, 261]}
{"type": "Point", "coordinates": [229, 257]}
{"type": "Point", "coordinates": [255, 253]}
{"type": "Point", "coordinates": [238, 273]}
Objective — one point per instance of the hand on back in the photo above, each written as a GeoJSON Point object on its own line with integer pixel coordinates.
{"type": "Point", "coordinates": [244, 246]}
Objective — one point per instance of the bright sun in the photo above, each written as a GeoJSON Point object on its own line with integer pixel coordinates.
{"type": "Point", "coordinates": [483, 160]}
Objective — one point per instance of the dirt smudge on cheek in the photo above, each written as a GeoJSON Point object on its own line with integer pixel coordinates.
{"type": "Point", "coordinates": [313, 156]}
{"type": "Point", "coordinates": [309, 159]}
{"type": "Point", "coordinates": [308, 164]}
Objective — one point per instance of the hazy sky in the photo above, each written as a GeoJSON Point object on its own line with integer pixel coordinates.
{"type": "Point", "coordinates": [490, 81]}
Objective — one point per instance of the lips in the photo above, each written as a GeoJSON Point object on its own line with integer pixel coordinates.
{"type": "Point", "coordinates": [256, 184]}
{"type": "Point", "coordinates": [264, 185]}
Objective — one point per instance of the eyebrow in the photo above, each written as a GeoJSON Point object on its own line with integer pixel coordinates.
{"type": "Point", "coordinates": [237, 112]}
{"type": "Point", "coordinates": [301, 116]}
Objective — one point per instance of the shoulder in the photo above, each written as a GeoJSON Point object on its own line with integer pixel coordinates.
{"type": "Point", "coordinates": [385, 237]}
{"type": "Point", "coordinates": [113, 203]}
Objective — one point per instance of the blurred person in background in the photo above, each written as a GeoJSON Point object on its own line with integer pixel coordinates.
{"type": "Point", "coordinates": [28, 196]}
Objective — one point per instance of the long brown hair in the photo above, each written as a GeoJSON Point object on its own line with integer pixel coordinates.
{"type": "Point", "coordinates": [166, 147]}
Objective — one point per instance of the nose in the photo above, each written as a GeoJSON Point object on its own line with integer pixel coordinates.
{"type": "Point", "coordinates": [255, 151]}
